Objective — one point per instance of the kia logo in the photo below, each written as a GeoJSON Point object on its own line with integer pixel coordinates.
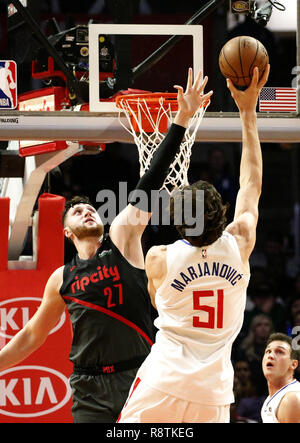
{"type": "Point", "coordinates": [14, 317]}
{"type": "Point", "coordinates": [32, 391]}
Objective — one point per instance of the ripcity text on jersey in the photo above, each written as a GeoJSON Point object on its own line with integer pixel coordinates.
{"type": "Point", "coordinates": [109, 308]}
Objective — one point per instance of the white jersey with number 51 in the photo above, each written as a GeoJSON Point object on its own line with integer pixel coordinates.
{"type": "Point", "coordinates": [201, 306]}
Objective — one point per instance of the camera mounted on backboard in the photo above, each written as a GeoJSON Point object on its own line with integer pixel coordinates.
{"type": "Point", "coordinates": [260, 15]}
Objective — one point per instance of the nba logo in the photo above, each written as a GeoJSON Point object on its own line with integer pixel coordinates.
{"type": "Point", "coordinates": [8, 84]}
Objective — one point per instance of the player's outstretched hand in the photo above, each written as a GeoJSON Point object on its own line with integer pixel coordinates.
{"type": "Point", "coordinates": [246, 100]}
{"type": "Point", "coordinates": [193, 97]}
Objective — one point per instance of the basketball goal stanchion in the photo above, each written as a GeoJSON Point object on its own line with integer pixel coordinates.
{"type": "Point", "coordinates": [149, 116]}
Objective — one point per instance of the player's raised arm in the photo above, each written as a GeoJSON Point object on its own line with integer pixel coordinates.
{"type": "Point", "coordinates": [128, 227]}
{"type": "Point", "coordinates": [35, 332]}
{"type": "Point", "coordinates": [246, 209]}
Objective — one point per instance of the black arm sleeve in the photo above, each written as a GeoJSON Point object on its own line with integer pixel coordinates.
{"type": "Point", "coordinates": [154, 177]}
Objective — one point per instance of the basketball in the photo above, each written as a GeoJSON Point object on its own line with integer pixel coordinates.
{"type": "Point", "coordinates": [238, 58]}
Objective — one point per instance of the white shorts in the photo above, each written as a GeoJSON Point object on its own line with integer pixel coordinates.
{"type": "Point", "coordinates": [148, 405]}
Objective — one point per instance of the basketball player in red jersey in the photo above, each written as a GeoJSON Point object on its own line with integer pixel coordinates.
{"type": "Point", "coordinates": [198, 285]}
{"type": "Point", "coordinates": [105, 288]}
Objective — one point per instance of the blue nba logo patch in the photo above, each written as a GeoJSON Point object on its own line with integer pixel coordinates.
{"type": "Point", "coordinates": [8, 84]}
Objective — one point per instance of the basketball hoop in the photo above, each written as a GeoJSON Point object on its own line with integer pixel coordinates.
{"type": "Point", "coordinates": [149, 115]}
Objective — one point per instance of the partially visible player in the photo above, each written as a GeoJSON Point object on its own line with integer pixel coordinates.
{"type": "Point", "coordinates": [198, 285]}
{"type": "Point", "coordinates": [105, 287]}
{"type": "Point", "coordinates": [279, 363]}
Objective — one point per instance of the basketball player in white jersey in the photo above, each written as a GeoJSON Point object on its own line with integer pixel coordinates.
{"type": "Point", "coordinates": [198, 285]}
{"type": "Point", "coordinates": [279, 363]}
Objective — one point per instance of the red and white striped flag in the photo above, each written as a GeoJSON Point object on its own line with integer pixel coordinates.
{"type": "Point", "coordinates": [278, 99]}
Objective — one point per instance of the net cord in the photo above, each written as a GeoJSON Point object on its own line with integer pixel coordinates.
{"type": "Point", "coordinates": [147, 143]}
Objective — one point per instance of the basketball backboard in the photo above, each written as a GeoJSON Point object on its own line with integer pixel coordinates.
{"type": "Point", "coordinates": [101, 122]}
{"type": "Point", "coordinates": [136, 31]}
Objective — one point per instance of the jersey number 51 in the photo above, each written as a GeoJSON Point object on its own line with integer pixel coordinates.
{"type": "Point", "coordinates": [215, 314]}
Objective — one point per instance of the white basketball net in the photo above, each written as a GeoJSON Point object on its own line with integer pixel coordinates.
{"type": "Point", "coordinates": [147, 143]}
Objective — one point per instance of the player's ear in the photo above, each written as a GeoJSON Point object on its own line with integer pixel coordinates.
{"type": "Point", "coordinates": [295, 364]}
{"type": "Point", "coordinates": [67, 232]}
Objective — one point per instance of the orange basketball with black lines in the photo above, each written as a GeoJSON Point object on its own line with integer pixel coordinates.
{"type": "Point", "coordinates": [238, 58]}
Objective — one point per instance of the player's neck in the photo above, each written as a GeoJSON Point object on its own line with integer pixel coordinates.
{"type": "Point", "coordinates": [87, 247]}
{"type": "Point", "coordinates": [275, 385]}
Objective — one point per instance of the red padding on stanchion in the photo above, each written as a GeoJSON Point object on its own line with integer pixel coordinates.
{"type": "Point", "coordinates": [50, 248]}
{"type": "Point", "coordinates": [4, 226]}
{"type": "Point", "coordinates": [36, 389]}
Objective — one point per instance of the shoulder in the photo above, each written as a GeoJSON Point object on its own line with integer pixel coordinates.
{"type": "Point", "coordinates": [156, 254]}
{"type": "Point", "coordinates": [242, 226]}
{"type": "Point", "coordinates": [292, 399]}
{"type": "Point", "coordinates": [156, 260]}
{"type": "Point", "coordinates": [244, 231]}
{"type": "Point", "coordinates": [52, 302]}
{"type": "Point", "coordinates": [58, 273]}
{"type": "Point", "coordinates": [289, 408]}
{"type": "Point", "coordinates": [156, 251]}
{"type": "Point", "coordinates": [56, 278]}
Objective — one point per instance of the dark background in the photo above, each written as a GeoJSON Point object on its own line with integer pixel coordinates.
{"type": "Point", "coordinates": [275, 281]}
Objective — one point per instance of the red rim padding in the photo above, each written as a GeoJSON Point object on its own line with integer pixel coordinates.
{"type": "Point", "coordinates": [152, 100]}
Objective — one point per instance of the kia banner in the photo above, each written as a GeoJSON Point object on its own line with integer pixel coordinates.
{"type": "Point", "coordinates": [37, 389]}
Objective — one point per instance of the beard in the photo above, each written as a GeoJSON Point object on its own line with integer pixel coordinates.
{"type": "Point", "coordinates": [88, 231]}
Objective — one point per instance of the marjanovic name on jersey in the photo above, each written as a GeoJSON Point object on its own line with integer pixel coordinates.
{"type": "Point", "coordinates": [205, 269]}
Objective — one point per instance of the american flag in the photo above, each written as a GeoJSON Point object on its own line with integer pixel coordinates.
{"type": "Point", "coordinates": [278, 99]}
